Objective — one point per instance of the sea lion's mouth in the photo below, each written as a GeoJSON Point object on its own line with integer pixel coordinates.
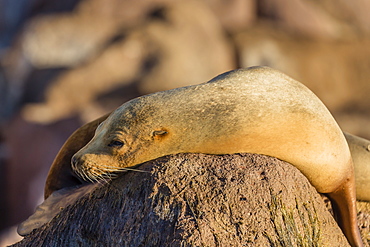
{"type": "Point", "coordinates": [87, 170]}
{"type": "Point", "coordinates": [97, 173]}
{"type": "Point", "coordinates": [93, 172]}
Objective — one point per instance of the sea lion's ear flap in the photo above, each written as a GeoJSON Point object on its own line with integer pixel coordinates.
{"type": "Point", "coordinates": [159, 133]}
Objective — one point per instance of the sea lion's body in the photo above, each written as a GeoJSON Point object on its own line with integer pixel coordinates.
{"type": "Point", "coordinates": [61, 176]}
{"type": "Point", "coordinates": [60, 173]}
{"type": "Point", "coordinates": [360, 151]}
{"type": "Point", "coordinates": [257, 110]}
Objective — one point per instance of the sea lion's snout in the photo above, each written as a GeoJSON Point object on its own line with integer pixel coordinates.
{"type": "Point", "coordinates": [74, 166]}
{"type": "Point", "coordinates": [94, 166]}
{"type": "Point", "coordinates": [73, 160]}
{"type": "Point", "coordinates": [76, 163]}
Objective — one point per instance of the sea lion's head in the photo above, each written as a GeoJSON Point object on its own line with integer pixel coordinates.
{"type": "Point", "coordinates": [125, 139]}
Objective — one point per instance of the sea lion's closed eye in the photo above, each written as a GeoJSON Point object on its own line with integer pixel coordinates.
{"type": "Point", "coordinates": [159, 133]}
{"type": "Point", "coordinates": [116, 144]}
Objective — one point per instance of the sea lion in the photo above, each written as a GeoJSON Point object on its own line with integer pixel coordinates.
{"type": "Point", "coordinates": [60, 174]}
{"type": "Point", "coordinates": [360, 151]}
{"type": "Point", "coordinates": [254, 110]}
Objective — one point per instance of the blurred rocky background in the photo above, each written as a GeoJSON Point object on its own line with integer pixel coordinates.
{"type": "Point", "coordinates": [63, 63]}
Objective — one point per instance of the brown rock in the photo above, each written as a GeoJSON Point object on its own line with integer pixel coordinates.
{"type": "Point", "coordinates": [336, 71]}
{"type": "Point", "coordinates": [363, 217]}
{"type": "Point", "coordinates": [194, 200]}
{"type": "Point", "coordinates": [71, 38]}
{"type": "Point", "coordinates": [354, 14]}
{"type": "Point", "coordinates": [75, 91]}
{"type": "Point", "coordinates": [326, 19]}
{"type": "Point", "coordinates": [183, 45]}
{"type": "Point", "coordinates": [234, 15]}
{"type": "Point", "coordinates": [304, 18]}
{"type": "Point", "coordinates": [191, 47]}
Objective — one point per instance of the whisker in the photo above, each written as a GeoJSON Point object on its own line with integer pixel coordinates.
{"type": "Point", "coordinates": [104, 179]}
{"type": "Point", "coordinates": [88, 176]}
{"type": "Point", "coordinates": [132, 169]}
{"type": "Point", "coordinates": [98, 176]}
{"type": "Point", "coordinates": [82, 175]}
{"type": "Point", "coordinates": [100, 173]}
{"type": "Point", "coordinates": [114, 168]}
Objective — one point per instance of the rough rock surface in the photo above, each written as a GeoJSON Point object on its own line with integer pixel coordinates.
{"type": "Point", "coordinates": [195, 200]}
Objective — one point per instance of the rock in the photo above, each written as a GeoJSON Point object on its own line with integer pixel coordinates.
{"type": "Point", "coordinates": [75, 91]}
{"type": "Point", "coordinates": [196, 199]}
{"type": "Point", "coordinates": [335, 71]}
{"type": "Point", "coordinates": [68, 39]}
{"type": "Point", "coordinates": [354, 14]}
{"type": "Point", "coordinates": [169, 52]}
{"type": "Point", "coordinates": [319, 20]}
{"type": "Point", "coordinates": [355, 122]}
{"type": "Point", "coordinates": [304, 18]}
{"type": "Point", "coordinates": [363, 217]}
{"type": "Point", "coordinates": [14, 14]}
{"type": "Point", "coordinates": [191, 47]}
{"type": "Point", "coordinates": [234, 15]}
